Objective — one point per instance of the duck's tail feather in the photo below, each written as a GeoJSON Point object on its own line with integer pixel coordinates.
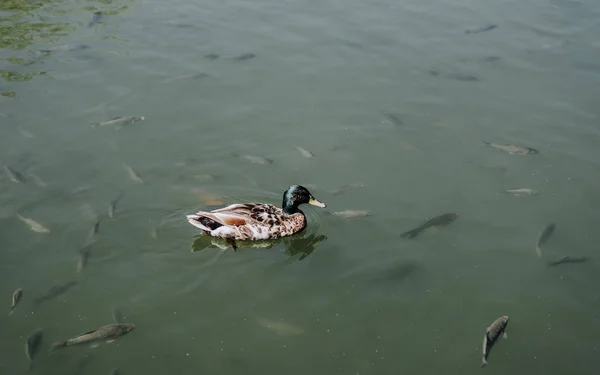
{"type": "Point", "coordinates": [203, 222]}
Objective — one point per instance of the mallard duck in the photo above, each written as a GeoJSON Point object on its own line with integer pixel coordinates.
{"type": "Point", "coordinates": [257, 221]}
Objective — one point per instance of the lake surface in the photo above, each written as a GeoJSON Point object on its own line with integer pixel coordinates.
{"type": "Point", "coordinates": [395, 101]}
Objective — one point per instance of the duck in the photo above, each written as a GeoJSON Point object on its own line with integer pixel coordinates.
{"type": "Point", "coordinates": [257, 221]}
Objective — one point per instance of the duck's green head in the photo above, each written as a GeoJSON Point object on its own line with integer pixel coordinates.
{"type": "Point", "coordinates": [296, 195]}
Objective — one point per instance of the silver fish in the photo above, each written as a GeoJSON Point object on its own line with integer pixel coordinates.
{"type": "Point", "coordinates": [568, 259]}
{"type": "Point", "coordinates": [119, 121]}
{"type": "Point", "coordinates": [66, 48]}
{"type": "Point", "coordinates": [95, 229]}
{"type": "Point", "coordinates": [32, 345]}
{"type": "Point", "coordinates": [305, 153]}
{"type": "Point", "coordinates": [245, 56]}
{"type": "Point", "coordinates": [522, 191]}
{"type": "Point", "coordinates": [34, 225]}
{"type": "Point", "coordinates": [17, 295]}
{"type": "Point", "coordinates": [14, 175]}
{"type": "Point", "coordinates": [134, 176]}
{"type": "Point", "coordinates": [543, 237]}
{"type": "Point", "coordinates": [108, 333]}
{"type": "Point", "coordinates": [394, 119]}
{"type": "Point", "coordinates": [113, 205]}
{"type": "Point", "coordinates": [256, 159]}
{"type": "Point", "coordinates": [349, 214]}
{"type": "Point", "coordinates": [492, 334]}
{"type": "Point", "coordinates": [512, 149]}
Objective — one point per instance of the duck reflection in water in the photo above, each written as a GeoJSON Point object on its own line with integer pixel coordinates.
{"type": "Point", "coordinates": [303, 243]}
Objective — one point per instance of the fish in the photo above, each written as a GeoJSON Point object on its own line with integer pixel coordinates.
{"type": "Point", "coordinates": [54, 291]}
{"type": "Point", "coordinates": [134, 176]}
{"type": "Point", "coordinates": [493, 332]}
{"type": "Point", "coordinates": [83, 363]}
{"type": "Point", "coordinates": [211, 56]}
{"type": "Point", "coordinates": [80, 190]}
{"type": "Point", "coordinates": [256, 159]}
{"type": "Point", "coordinates": [115, 372]}
{"type": "Point", "coordinates": [84, 255]}
{"type": "Point", "coordinates": [108, 333]}
{"type": "Point", "coordinates": [34, 225]}
{"type": "Point", "coordinates": [305, 153]}
{"type": "Point", "coordinates": [38, 181]}
{"type": "Point", "coordinates": [25, 133]}
{"type": "Point", "coordinates": [95, 229]}
{"type": "Point", "coordinates": [117, 316]}
{"type": "Point", "coordinates": [16, 297]}
{"type": "Point", "coordinates": [14, 175]}
{"type": "Point", "coordinates": [439, 221]}
{"type": "Point", "coordinates": [119, 121]}
{"type": "Point", "coordinates": [462, 77]}
{"type": "Point", "coordinates": [522, 191]}
{"type": "Point", "coordinates": [345, 188]}
{"type": "Point", "coordinates": [95, 19]}
{"type": "Point", "coordinates": [244, 56]}
{"type": "Point", "coordinates": [543, 237]}
{"type": "Point", "coordinates": [568, 259]}
{"type": "Point", "coordinates": [394, 119]}
{"type": "Point", "coordinates": [66, 48]}
{"type": "Point", "coordinates": [113, 205]}
{"type": "Point", "coordinates": [350, 214]}
{"type": "Point", "coordinates": [481, 29]}
{"type": "Point", "coordinates": [512, 149]}
{"type": "Point", "coordinates": [280, 327]}
{"type": "Point", "coordinates": [32, 345]}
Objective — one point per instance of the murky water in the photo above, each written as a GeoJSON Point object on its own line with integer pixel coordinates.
{"type": "Point", "coordinates": [395, 101]}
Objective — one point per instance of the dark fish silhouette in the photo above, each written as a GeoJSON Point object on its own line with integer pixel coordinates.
{"type": "Point", "coordinates": [117, 316]}
{"type": "Point", "coordinates": [32, 345]}
{"type": "Point", "coordinates": [568, 259]}
{"type": "Point", "coordinates": [492, 334]}
{"type": "Point", "coordinates": [95, 19]}
{"type": "Point", "coordinates": [14, 175]}
{"type": "Point", "coordinates": [543, 237]}
{"type": "Point", "coordinates": [54, 292]}
{"type": "Point", "coordinates": [439, 221]}
{"type": "Point", "coordinates": [394, 119]}
{"type": "Point", "coordinates": [244, 56]}
{"type": "Point", "coordinates": [84, 255]}
{"type": "Point", "coordinates": [113, 205]}
{"type": "Point", "coordinates": [481, 29]}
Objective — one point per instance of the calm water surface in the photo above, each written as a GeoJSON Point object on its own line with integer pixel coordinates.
{"type": "Point", "coordinates": [393, 98]}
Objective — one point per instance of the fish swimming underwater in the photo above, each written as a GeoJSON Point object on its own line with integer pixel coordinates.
{"type": "Point", "coordinates": [108, 333]}
{"type": "Point", "coordinates": [512, 149]}
{"type": "Point", "coordinates": [439, 221]}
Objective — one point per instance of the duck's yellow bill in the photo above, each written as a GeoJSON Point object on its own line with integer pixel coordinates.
{"type": "Point", "coordinates": [315, 202]}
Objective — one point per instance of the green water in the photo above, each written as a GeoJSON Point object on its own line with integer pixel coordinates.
{"type": "Point", "coordinates": [346, 296]}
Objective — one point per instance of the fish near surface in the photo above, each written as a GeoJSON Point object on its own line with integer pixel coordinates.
{"type": "Point", "coordinates": [108, 333]}
{"type": "Point", "coordinates": [119, 121]}
{"type": "Point", "coordinates": [439, 221]}
{"type": "Point", "coordinates": [305, 153]}
{"type": "Point", "coordinates": [512, 149]}
{"type": "Point", "coordinates": [351, 214]}
{"type": "Point", "coordinates": [16, 297]}
{"type": "Point", "coordinates": [112, 206]}
{"type": "Point", "coordinates": [256, 159]}
{"type": "Point", "coordinates": [522, 191]}
{"type": "Point", "coordinates": [95, 19]}
{"type": "Point", "coordinates": [34, 225]}
{"type": "Point", "coordinates": [543, 237]}
{"type": "Point", "coordinates": [493, 332]}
